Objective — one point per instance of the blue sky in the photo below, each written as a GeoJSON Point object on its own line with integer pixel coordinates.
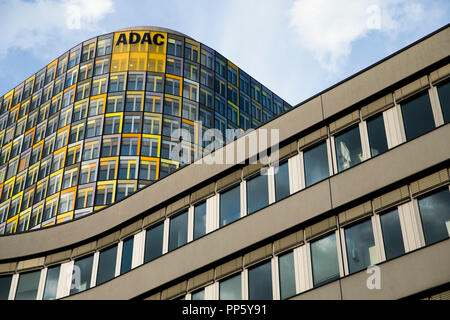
{"type": "Point", "coordinates": [296, 48]}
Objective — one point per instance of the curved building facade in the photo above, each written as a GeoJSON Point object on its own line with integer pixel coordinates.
{"type": "Point", "coordinates": [354, 204]}
{"type": "Point", "coordinates": [114, 114]}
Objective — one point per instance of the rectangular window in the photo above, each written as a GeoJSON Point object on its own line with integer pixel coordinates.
{"type": "Point", "coordinates": [392, 234]}
{"type": "Point", "coordinates": [260, 282]}
{"type": "Point", "coordinates": [110, 147]}
{"type": "Point", "coordinates": [316, 164]}
{"type": "Point", "coordinates": [127, 255]}
{"type": "Point", "coordinates": [348, 148]}
{"type": "Point", "coordinates": [230, 207]}
{"type": "Point", "coordinates": [132, 124]}
{"type": "Point", "coordinates": [200, 220]}
{"type": "Point", "coordinates": [417, 116]}
{"type": "Point", "coordinates": [88, 173]}
{"type": "Point", "coordinates": [178, 231]}
{"type": "Point", "coordinates": [107, 170]}
{"type": "Point", "coordinates": [231, 288]}
{"type": "Point", "coordinates": [124, 190]}
{"type": "Point", "coordinates": [377, 135]}
{"type": "Point", "coordinates": [28, 285]}
{"type": "Point", "coordinates": [85, 198]}
{"type": "Point", "coordinates": [106, 264]}
{"type": "Point", "coordinates": [282, 181]}
{"type": "Point", "coordinates": [91, 150]}
{"type": "Point", "coordinates": [147, 170]}
{"type": "Point", "coordinates": [324, 260]}
{"type": "Point", "coordinates": [287, 275]}
{"type": "Point", "coordinates": [104, 194]}
{"type": "Point", "coordinates": [444, 99]}
{"type": "Point", "coordinates": [134, 102]}
{"type": "Point", "coordinates": [153, 242]}
{"type": "Point", "coordinates": [360, 244]}
{"type": "Point", "coordinates": [154, 83]}
{"type": "Point", "coordinates": [257, 193]}
{"type": "Point", "coordinates": [435, 214]}
{"type": "Point", "coordinates": [117, 82]}
{"type": "Point", "coordinates": [93, 127]}
{"type": "Point", "coordinates": [81, 279]}
{"type": "Point", "coordinates": [5, 284]}
{"type": "Point", "coordinates": [115, 103]}
{"type": "Point", "coordinates": [135, 82]}
{"type": "Point", "coordinates": [153, 103]}
{"type": "Point", "coordinates": [51, 283]}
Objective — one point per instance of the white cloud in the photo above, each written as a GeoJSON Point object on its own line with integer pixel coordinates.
{"type": "Point", "coordinates": [35, 24]}
{"type": "Point", "coordinates": [328, 28]}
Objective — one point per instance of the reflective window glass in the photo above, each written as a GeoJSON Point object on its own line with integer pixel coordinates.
{"type": "Point", "coordinates": [178, 231]}
{"type": "Point", "coordinates": [444, 99]}
{"type": "Point", "coordinates": [81, 277]}
{"type": "Point", "coordinates": [348, 148]}
{"type": "Point", "coordinates": [231, 288]}
{"type": "Point", "coordinates": [51, 283]}
{"type": "Point", "coordinates": [324, 260]}
{"type": "Point", "coordinates": [28, 285]}
{"type": "Point", "coordinates": [257, 193]}
{"type": "Point", "coordinates": [360, 244]}
{"type": "Point", "coordinates": [153, 242]}
{"type": "Point", "coordinates": [230, 208]}
{"type": "Point", "coordinates": [377, 135]}
{"type": "Point", "coordinates": [260, 282]}
{"type": "Point", "coordinates": [287, 275]}
{"type": "Point", "coordinates": [106, 264]}
{"type": "Point", "coordinates": [127, 255]}
{"type": "Point", "coordinates": [316, 164]}
{"type": "Point", "coordinates": [5, 284]}
{"type": "Point", "coordinates": [199, 220]}
{"type": "Point", "coordinates": [392, 234]}
{"type": "Point", "coordinates": [417, 116]}
{"type": "Point", "coordinates": [435, 214]}
{"type": "Point", "coordinates": [282, 181]}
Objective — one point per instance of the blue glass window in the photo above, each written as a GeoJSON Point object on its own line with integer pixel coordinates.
{"type": "Point", "coordinates": [230, 207]}
{"type": "Point", "coordinates": [51, 283]}
{"type": "Point", "coordinates": [348, 148]}
{"type": "Point", "coordinates": [392, 234]}
{"type": "Point", "coordinates": [127, 255]}
{"type": "Point", "coordinates": [360, 245]}
{"type": "Point", "coordinates": [153, 242]}
{"type": "Point", "coordinates": [282, 181]}
{"type": "Point", "coordinates": [106, 265]}
{"type": "Point", "coordinates": [324, 260]}
{"type": "Point", "coordinates": [287, 275]}
{"type": "Point", "coordinates": [316, 164]}
{"type": "Point", "coordinates": [260, 282]}
{"type": "Point", "coordinates": [178, 231]}
{"type": "Point", "coordinates": [199, 220]}
{"type": "Point", "coordinates": [377, 135]}
{"type": "Point", "coordinates": [435, 214]}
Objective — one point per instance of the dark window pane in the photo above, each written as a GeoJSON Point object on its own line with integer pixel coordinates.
{"type": "Point", "coordinates": [153, 242]}
{"type": "Point", "coordinates": [81, 277]}
{"type": "Point", "coordinates": [417, 116]}
{"type": "Point", "coordinates": [435, 214]}
{"type": "Point", "coordinates": [324, 259]}
{"type": "Point", "coordinates": [257, 193]}
{"type": "Point", "coordinates": [316, 164]}
{"type": "Point", "coordinates": [198, 295]}
{"type": "Point", "coordinates": [199, 220]}
{"type": "Point", "coordinates": [282, 181]}
{"type": "Point", "coordinates": [178, 231]}
{"type": "Point", "coordinates": [51, 283]}
{"type": "Point", "coordinates": [230, 289]}
{"type": "Point", "coordinates": [127, 255]}
{"type": "Point", "coordinates": [392, 234]}
{"type": "Point", "coordinates": [377, 135]}
{"type": "Point", "coordinates": [287, 275]}
{"type": "Point", "coordinates": [360, 246]}
{"type": "Point", "coordinates": [230, 207]}
{"type": "Point", "coordinates": [28, 285]}
{"type": "Point", "coordinates": [444, 99]}
{"type": "Point", "coordinates": [106, 265]}
{"type": "Point", "coordinates": [5, 284]}
{"type": "Point", "coordinates": [260, 282]}
{"type": "Point", "coordinates": [348, 148]}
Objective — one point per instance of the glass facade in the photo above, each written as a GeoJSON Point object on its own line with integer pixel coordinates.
{"type": "Point", "coordinates": [106, 104]}
{"type": "Point", "coordinates": [106, 264]}
{"type": "Point", "coordinates": [417, 116]}
{"type": "Point", "coordinates": [435, 215]}
{"type": "Point", "coordinates": [282, 189]}
{"type": "Point", "coordinates": [377, 135]}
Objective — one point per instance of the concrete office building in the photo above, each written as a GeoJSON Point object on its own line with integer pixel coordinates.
{"type": "Point", "coordinates": [360, 180]}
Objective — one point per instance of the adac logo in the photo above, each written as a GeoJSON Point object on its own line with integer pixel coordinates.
{"type": "Point", "coordinates": [136, 38]}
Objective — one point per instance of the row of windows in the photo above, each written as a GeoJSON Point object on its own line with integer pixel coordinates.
{"type": "Point", "coordinates": [342, 151]}
{"type": "Point", "coordinates": [359, 241]}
